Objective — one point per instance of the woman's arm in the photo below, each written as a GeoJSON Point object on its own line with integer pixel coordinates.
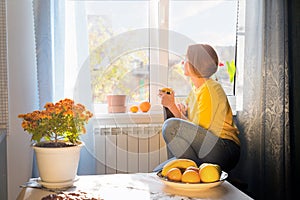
{"type": "Point", "coordinates": [176, 112]}
{"type": "Point", "coordinates": [182, 108]}
{"type": "Point", "coordinates": [168, 101]}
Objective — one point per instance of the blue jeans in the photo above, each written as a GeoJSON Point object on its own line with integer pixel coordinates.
{"type": "Point", "coordinates": [187, 140]}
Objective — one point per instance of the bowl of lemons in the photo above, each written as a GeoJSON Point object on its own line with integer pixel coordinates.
{"type": "Point", "coordinates": [185, 174]}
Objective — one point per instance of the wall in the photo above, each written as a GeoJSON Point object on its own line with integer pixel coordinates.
{"type": "Point", "coordinates": [22, 91]}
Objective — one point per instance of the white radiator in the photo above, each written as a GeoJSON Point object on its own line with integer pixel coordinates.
{"type": "Point", "coordinates": [129, 149]}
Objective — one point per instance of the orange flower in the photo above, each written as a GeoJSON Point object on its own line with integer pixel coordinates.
{"type": "Point", "coordinates": [68, 112]}
{"type": "Point", "coordinates": [25, 124]}
{"type": "Point", "coordinates": [58, 110]}
{"type": "Point", "coordinates": [48, 105]}
{"type": "Point", "coordinates": [43, 115]}
{"type": "Point", "coordinates": [62, 120]}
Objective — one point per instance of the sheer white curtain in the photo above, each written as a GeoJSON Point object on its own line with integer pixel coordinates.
{"type": "Point", "coordinates": [62, 62]}
{"type": "Point", "coordinates": [77, 74]}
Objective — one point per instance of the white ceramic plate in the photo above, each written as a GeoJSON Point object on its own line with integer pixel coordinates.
{"type": "Point", "coordinates": [192, 186]}
{"type": "Point", "coordinates": [57, 185]}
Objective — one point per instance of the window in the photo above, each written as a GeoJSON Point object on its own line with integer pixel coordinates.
{"type": "Point", "coordinates": [210, 22]}
{"type": "Point", "coordinates": [118, 68]}
{"type": "Point", "coordinates": [136, 47]}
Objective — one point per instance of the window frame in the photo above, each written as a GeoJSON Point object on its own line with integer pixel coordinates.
{"type": "Point", "coordinates": [158, 19]}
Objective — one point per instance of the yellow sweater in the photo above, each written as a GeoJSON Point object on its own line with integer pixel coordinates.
{"type": "Point", "coordinates": [208, 107]}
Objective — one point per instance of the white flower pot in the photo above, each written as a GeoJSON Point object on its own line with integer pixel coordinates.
{"type": "Point", "coordinates": [58, 165]}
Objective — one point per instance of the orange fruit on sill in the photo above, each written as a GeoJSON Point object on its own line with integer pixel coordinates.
{"type": "Point", "coordinates": [145, 106]}
{"type": "Point", "coordinates": [174, 174]}
{"type": "Point", "coordinates": [190, 176]}
{"type": "Point", "coordinates": [134, 109]}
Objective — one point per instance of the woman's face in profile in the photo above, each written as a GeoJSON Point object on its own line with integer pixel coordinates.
{"type": "Point", "coordinates": [187, 68]}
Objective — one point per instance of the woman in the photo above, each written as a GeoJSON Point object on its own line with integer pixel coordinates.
{"type": "Point", "coordinates": [202, 130]}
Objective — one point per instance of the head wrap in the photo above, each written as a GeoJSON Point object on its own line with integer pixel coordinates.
{"type": "Point", "coordinates": [203, 59]}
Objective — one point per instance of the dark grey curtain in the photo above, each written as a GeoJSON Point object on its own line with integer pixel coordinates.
{"type": "Point", "coordinates": [264, 121]}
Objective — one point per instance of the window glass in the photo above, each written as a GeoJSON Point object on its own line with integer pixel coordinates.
{"type": "Point", "coordinates": [210, 22]}
{"type": "Point", "coordinates": [111, 29]}
{"type": "Point", "coordinates": [117, 67]}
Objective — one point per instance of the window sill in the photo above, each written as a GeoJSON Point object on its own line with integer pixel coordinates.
{"type": "Point", "coordinates": [154, 117]}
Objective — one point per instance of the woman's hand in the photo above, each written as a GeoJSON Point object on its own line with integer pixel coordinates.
{"type": "Point", "coordinates": [167, 100]}
{"type": "Point", "coordinates": [182, 108]}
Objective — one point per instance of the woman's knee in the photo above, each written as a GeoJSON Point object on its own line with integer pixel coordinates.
{"type": "Point", "coordinates": [169, 129]}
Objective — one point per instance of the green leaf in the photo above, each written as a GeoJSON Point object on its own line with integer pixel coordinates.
{"type": "Point", "coordinates": [231, 70]}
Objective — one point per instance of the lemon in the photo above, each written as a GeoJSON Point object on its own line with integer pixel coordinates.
{"type": "Point", "coordinates": [190, 176]}
{"type": "Point", "coordinates": [209, 172]}
{"type": "Point", "coordinates": [196, 169]}
{"type": "Point", "coordinates": [134, 109]}
{"type": "Point", "coordinates": [174, 174]}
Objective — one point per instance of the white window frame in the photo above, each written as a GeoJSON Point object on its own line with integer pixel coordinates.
{"type": "Point", "coordinates": [159, 10]}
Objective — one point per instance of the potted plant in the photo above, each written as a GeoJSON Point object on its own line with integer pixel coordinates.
{"type": "Point", "coordinates": [55, 131]}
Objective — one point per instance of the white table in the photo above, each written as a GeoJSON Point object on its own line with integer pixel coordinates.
{"type": "Point", "coordinates": [139, 186]}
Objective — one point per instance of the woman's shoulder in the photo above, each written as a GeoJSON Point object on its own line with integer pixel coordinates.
{"type": "Point", "coordinates": [211, 87]}
{"type": "Point", "coordinates": [211, 84]}
{"type": "Point", "coordinates": [214, 86]}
